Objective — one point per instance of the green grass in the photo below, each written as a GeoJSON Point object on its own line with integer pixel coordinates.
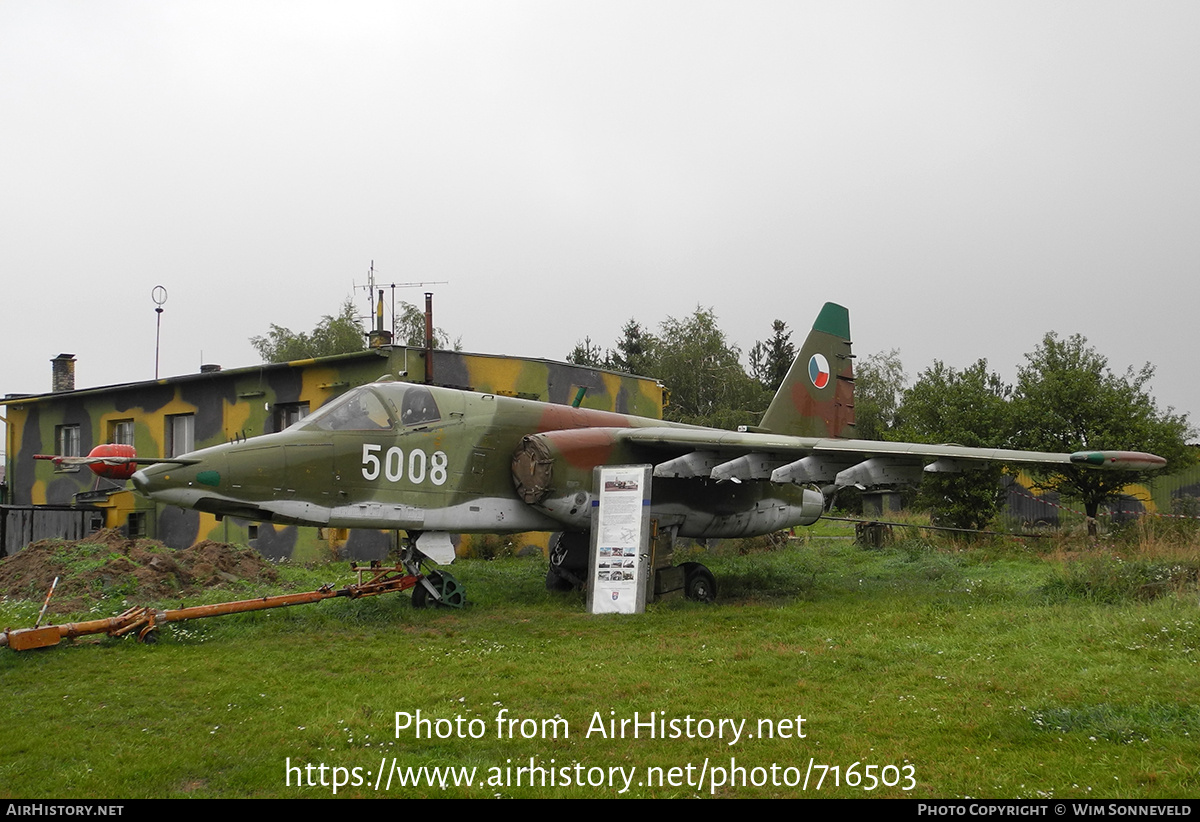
{"type": "Point", "coordinates": [967, 664]}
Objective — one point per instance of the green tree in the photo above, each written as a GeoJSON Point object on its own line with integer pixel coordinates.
{"type": "Point", "coordinates": [969, 407]}
{"type": "Point", "coordinates": [632, 349]}
{"type": "Point", "coordinates": [410, 330]}
{"type": "Point", "coordinates": [878, 383]}
{"type": "Point", "coordinates": [587, 354]}
{"type": "Point", "coordinates": [771, 360]}
{"type": "Point", "coordinates": [333, 335]}
{"type": "Point", "coordinates": [704, 373]}
{"type": "Point", "coordinates": [1068, 399]}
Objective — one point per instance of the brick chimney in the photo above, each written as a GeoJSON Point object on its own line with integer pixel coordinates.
{"type": "Point", "coordinates": [63, 373]}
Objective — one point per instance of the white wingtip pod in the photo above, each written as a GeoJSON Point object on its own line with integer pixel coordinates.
{"type": "Point", "coordinates": [1119, 460]}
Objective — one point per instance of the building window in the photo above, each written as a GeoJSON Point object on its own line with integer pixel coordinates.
{"type": "Point", "coordinates": [120, 432]}
{"type": "Point", "coordinates": [136, 525]}
{"type": "Point", "coordinates": [289, 413]}
{"type": "Point", "coordinates": [66, 440]}
{"type": "Point", "coordinates": [181, 434]}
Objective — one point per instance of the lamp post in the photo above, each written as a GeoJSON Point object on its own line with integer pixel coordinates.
{"type": "Point", "coordinates": [159, 295]}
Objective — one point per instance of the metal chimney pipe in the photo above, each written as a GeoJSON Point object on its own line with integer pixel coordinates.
{"type": "Point", "coordinates": [428, 337]}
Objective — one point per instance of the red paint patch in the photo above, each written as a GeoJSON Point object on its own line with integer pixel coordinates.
{"type": "Point", "coordinates": [582, 447]}
{"type": "Point", "coordinates": [560, 417]}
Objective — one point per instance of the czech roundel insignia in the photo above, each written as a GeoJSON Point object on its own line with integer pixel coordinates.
{"type": "Point", "coordinates": [818, 370]}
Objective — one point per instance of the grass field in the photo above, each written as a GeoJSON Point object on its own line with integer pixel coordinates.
{"type": "Point", "coordinates": [920, 670]}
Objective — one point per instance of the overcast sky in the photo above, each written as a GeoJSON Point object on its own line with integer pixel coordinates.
{"type": "Point", "coordinates": [963, 176]}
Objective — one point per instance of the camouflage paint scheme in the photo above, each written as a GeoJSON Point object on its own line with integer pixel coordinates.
{"type": "Point", "coordinates": [246, 402]}
{"type": "Point", "coordinates": [1171, 495]}
{"type": "Point", "coordinates": [1177, 492]}
{"type": "Point", "coordinates": [432, 459]}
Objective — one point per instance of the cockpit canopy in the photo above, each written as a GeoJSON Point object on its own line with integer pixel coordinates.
{"type": "Point", "coordinates": [380, 407]}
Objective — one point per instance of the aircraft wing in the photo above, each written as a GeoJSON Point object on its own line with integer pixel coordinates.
{"type": "Point", "coordinates": [738, 456]}
{"type": "Point", "coordinates": [90, 460]}
{"type": "Point", "coordinates": [103, 462]}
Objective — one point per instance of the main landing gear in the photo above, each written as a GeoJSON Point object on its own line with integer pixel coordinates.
{"type": "Point", "coordinates": [568, 561]}
{"type": "Point", "coordinates": [698, 582]}
{"type": "Point", "coordinates": [568, 569]}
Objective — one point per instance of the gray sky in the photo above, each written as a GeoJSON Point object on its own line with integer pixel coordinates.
{"type": "Point", "coordinates": [964, 176]}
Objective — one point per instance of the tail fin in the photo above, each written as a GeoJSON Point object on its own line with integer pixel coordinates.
{"type": "Point", "coordinates": [817, 396]}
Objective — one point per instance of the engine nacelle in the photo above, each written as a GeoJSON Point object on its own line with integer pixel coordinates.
{"type": "Point", "coordinates": [553, 473]}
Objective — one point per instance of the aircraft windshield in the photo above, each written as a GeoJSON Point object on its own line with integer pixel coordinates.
{"type": "Point", "coordinates": [413, 405]}
{"type": "Point", "coordinates": [418, 406]}
{"type": "Point", "coordinates": [358, 410]}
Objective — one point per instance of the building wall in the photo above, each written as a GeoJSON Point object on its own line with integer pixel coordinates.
{"type": "Point", "coordinates": [247, 402]}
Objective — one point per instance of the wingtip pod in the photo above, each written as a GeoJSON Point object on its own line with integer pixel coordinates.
{"type": "Point", "coordinates": [111, 460]}
{"type": "Point", "coordinates": [1119, 460]}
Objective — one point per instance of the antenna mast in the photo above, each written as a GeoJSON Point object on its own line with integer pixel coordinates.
{"type": "Point", "coordinates": [375, 301]}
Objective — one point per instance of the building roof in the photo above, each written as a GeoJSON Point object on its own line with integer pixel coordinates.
{"type": "Point", "coordinates": [382, 352]}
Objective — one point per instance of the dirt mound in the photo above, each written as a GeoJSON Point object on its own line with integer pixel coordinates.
{"type": "Point", "coordinates": [107, 563]}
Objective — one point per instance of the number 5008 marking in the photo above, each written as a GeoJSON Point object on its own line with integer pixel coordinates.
{"type": "Point", "coordinates": [392, 464]}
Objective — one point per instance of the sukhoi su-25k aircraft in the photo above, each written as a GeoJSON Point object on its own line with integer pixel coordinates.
{"type": "Point", "coordinates": [434, 461]}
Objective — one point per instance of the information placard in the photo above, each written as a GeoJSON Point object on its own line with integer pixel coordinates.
{"type": "Point", "coordinates": [620, 539]}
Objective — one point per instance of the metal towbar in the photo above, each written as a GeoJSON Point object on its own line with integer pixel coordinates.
{"type": "Point", "coordinates": [145, 621]}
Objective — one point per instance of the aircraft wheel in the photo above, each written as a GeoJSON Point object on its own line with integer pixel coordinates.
{"type": "Point", "coordinates": [699, 583]}
{"type": "Point", "coordinates": [568, 561]}
{"type": "Point", "coordinates": [555, 581]}
{"type": "Point", "coordinates": [453, 594]}
{"type": "Point", "coordinates": [149, 637]}
{"type": "Point", "coordinates": [569, 551]}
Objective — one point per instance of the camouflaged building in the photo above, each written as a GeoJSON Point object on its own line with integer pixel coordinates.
{"type": "Point", "coordinates": [169, 417]}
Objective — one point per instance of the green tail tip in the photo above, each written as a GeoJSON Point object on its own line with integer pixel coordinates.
{"type": "Point", "coordinates": [834, 319]}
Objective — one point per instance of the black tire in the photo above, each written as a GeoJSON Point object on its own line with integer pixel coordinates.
{"type": "Point", "coordinates": [149, 638]}
{"type": "Point", "coordinates": [569, 551]}
{"type": "Point", "coordinates": [568, 561]}
{"type": "Point", "coordinates": [698, 583]}
{"type": "Point", "coordinates": [555, 581]}
{"type": "Point", "coordinates": [421, 598]}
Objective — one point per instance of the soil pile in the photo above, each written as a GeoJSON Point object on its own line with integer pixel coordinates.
{"type": "Point", "coordinates": [107, 563]}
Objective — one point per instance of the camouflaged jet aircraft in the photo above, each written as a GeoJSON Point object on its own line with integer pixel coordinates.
{"type": "Point", "coordinates": [434, 461]}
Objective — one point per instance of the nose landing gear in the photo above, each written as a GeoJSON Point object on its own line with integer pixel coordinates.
{"type": "Point", "coordinates": [447, 592]}
{"type": "Point", "coordinates": [436, 589]}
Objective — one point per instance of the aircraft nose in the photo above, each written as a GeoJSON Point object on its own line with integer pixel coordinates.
{"type": "Point", "coordinates": [151, 479]}
{"type": "Point", "coordinates": [155, 480]}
